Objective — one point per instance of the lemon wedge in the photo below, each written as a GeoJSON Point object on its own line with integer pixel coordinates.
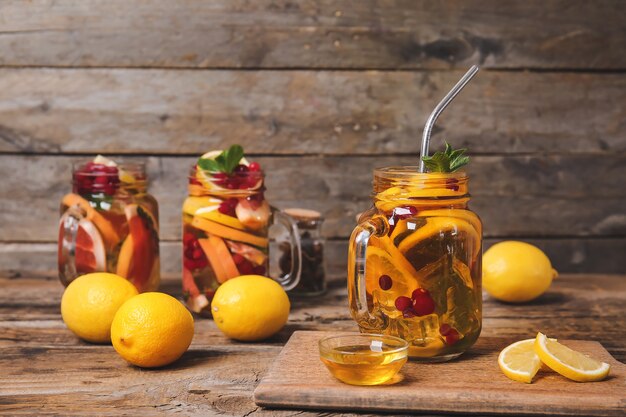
{"type": "Point", "coordinates": [569, 363]}
{"type": "Point", "coordinates": [519, 361]}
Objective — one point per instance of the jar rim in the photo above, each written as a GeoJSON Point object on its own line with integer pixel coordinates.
{"type": "Point", "coordinates": [130, 167]}
{"type": "Point", "coordinates": [412, 172]}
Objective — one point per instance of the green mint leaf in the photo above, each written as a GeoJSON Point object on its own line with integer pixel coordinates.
{"type": "Point", "coordinates": [449, 160]}
{"type": "Point", "coordinates": [224, 162]}
{"type": "Point", "coordinates": [209, 165]}
{"type": "Point", "coordinates": [458, 163]}
{"type": "Point", "coordinates": [232, 157]}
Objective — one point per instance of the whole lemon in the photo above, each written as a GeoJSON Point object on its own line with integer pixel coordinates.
{"type": "Point", "coordinates": [516, 271]}
{"type": "Point", "coordinates": [90, 302]}
{"type": "Point", "coordinates": [152, 329]}
{"type": "Point", "coordinates": [250, 308]}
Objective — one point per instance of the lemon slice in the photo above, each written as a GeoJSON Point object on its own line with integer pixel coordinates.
{"type": "Point", "coordinates": [519, 361]}
{"type": "Point", "coordinates": [436, 226]}
{"type": "Point", "coordinates": [380, 262]}
{"type": "Point", "coordinates": [569, 363]}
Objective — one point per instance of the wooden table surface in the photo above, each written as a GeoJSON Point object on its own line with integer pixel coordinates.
{"type": "Point", "coordinates": [45, 369]}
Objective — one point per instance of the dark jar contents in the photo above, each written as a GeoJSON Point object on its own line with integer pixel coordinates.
{"type": "Point", "coordinates": [313, 276]}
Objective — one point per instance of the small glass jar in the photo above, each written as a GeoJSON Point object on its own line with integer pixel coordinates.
{"type": "Point", "coordinates": [226, 234]}
{"type": "Point", "coordinates": [414, 267]}
{"type": "Point", "coordinates": [313, 275]}
{"type": "Point", "coordinates": [110, 223]}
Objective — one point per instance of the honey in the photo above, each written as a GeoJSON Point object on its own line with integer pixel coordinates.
{"type": "Point", "coordinates": [363, 359]}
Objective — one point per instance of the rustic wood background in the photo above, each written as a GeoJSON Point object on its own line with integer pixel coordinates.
{"type": "Point", "coordinates": [320, 93]}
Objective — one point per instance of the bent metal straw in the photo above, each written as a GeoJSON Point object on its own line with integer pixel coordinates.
{"type": "Point", "coordinates": [428, 128]}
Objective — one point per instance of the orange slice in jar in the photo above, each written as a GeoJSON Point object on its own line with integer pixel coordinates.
{"type": "Point", "coordinates": [195, 300]}
{"type": "Point", "coordinates": [110, 236]}
{"type": "Point", "coordinates": [437, 226]}
{"type": "Point", "coordinates": [138, 256]}
{"type": "Point", "coordinates": [89, 252]}
{"type": "Point", "coordinates": [403, 275]}
{"type": "Point", "coordinates": [226, 232]}
{"type": "Point", "coordinates": [220, 258]}
{"type": "Point", "coordinates": [212, 214]}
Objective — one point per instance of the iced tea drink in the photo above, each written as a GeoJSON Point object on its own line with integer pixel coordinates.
{"type": "Point", "coordinates": [226, 219]}
{"type": "Point", "coordinates": [109, 223]}
{"type": "Point", "coordinates": [414, 268]}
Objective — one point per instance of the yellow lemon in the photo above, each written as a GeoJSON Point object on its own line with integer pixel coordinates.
{"type": "Point", "coordinates": [152, 329]}
{"type": "Point", "coordinates": [90, 302]}
{"type": "Point", "coordinates": [250, 308]}
{"type": "Point", "coordinates": [516, 272]}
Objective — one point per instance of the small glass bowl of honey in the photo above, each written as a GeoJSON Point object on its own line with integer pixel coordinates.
{"type": "Point", "coordinates": [363, 359]}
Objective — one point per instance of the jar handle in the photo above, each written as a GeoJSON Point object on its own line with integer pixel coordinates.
{"type": "Point", "coordinates": [290, 280]}
{"type": "Point", "coordinates": [68, 228]}
{"type": "Point", "coordinates": [357, 256]}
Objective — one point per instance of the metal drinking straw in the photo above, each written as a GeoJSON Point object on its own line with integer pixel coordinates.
{"type": "Point", "coordinates": [428, 128]}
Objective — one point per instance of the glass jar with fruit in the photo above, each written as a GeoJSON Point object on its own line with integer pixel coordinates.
{"type": "Point", "coordinates": [414, 268]}
{"type": "Point", "coordinates": [110, 223]}
{"type": "Point", "coordinates": [226, 221]}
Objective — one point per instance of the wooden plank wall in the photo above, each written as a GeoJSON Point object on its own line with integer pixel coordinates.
{"type": "Point", "coordinates": [320, 93]}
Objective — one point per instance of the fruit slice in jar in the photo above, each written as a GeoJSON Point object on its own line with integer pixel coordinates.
{"type": "Point", "coordinates": [137, 256]}
{"type": "Point", "coordinates": [195, 301]}
{"type": "Point", "coordinates": [252, 217]}
{"type": "Point", "coordinates": [403, 280]}
{"type": "Point", "coordinates": [436, 226]}
{"type": "Point", "coordinates": [110, 236]}
{"type": "Point", "coordinates": [214, 215]}
{"type": "Point", "coordinates": [225, 232]}
{"type": "Point", "coordinates": [220, 258]}
{"type": "Point", "coordinates": [251, 253]}
{"type": "Point", "coordinates": [89, 252]}
{"type": "Point", "coordinates": [194, 203]}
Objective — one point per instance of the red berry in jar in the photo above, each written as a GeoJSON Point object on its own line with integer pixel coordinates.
{"type": "Point", "coordinates": [423, 305]}
{"type": "Point", "coordinates": [254, 167]}
{"type": "Point", "coordinates": [385, 282]}
{"type": "Point", "coordinates": [444, 329]}
{"type": "Point", "coordinates": [420, 292]}
{"type": "Point", "coordinates": [403, 303]}
{"type": "Point", "coordinates": [452, 337]}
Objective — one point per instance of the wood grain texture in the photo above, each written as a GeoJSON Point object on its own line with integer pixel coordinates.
{"type": "Point", "coordinates": [313, 34]}
{"type": "Point", "coordinates": [526, 196]}
{"type": "Point", "coordinates": [472, 384]}
{"type": "Point", "coordinates": [305, 112]}
{"type": "Point", "coordinates": [46, 370]}
{"type": "Point", "coordinates": [568, 255]}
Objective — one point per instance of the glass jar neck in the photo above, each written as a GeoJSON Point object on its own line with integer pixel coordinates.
{"type": "Point", "coordinates": [401, 186]}
{"type": "Point", "coordinates": [96, 179]}
{"type": "Point", "coordinates": [224, 186]}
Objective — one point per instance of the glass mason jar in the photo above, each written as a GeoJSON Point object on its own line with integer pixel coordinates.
{"type": "Point", "coordinates": [226, 234]}
{"type": "Point", "coordinates": [414, 268]}
{"type": "Point", "coordinates": [313, 276]}
{"type": "Point", "coordinates": [110, 223]}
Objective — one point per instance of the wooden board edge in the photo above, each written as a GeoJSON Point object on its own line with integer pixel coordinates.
{"type": "Point", "coordinates": [265, 395]}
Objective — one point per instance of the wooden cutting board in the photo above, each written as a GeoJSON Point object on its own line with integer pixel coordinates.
{"type": "Point", "coordinates": [470, 384]}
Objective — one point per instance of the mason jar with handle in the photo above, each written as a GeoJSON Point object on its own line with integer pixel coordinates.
{"type": "Point", "coordinates": [226, 220]}
{"type": "Point", "coordinates": [110, 223]}
{"type": "Point", "coordinates": [414, 268]}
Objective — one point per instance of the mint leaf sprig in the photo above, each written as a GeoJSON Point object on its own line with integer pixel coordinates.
{"type": "Point", "coordinates": [447, 161]}
{"type": "Point", "coordinates": [224, 162]}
